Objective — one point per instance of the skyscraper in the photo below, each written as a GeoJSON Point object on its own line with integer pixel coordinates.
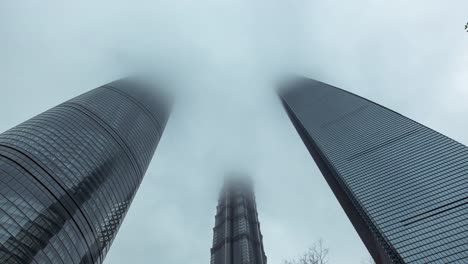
{"type": "Point", "coordinates": [403, 186]}
{"type": "Point", "coordinates": [236, 235]}
{"type": "Point", "coordinates": [68, 175]}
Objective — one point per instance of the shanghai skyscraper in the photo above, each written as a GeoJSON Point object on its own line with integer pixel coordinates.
{"type": "Point", "coordinates": [236, 236]}
{"type": "Point", "coordinates": [68, 175]}
{"type": "Point", "coordinates": [403, 185]}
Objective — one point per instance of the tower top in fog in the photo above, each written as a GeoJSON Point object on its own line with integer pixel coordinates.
{"type": "Point", "coordinates": [402, 184]}
{"type": "Point", "coordinates": [236, 235]}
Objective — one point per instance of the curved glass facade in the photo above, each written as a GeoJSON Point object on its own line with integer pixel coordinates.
{"type": "Point", "coordinates": [68, 175]}
{"type": "Point", "coordinates": [403, 185]}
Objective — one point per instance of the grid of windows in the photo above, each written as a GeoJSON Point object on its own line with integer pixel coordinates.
{"type": "Point", "coordinates": [68, 175]}
{"type": "Point", "coordinates": [404, 186]}
{"type": "Point", "coordinates": [236, 235]}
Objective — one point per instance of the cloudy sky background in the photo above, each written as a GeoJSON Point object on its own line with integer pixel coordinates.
{"type": "Point", "coordinates": [222, 58]}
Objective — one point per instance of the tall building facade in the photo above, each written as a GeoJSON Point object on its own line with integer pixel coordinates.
{"type": "Point", "coordinates": [236, 236]}
{"type": "Point", "coordinates": [403, 186]}
{"type": "Point", "coordinates": [68, 175]}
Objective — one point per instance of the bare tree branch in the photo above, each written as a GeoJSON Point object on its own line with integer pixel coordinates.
{"type": "Point", "coordinates": [316, 254]}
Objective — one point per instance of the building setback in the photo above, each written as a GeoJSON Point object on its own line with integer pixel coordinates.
{"type": "Point", "coordinates": [68, 175]}
{"type": "Point", "coordinates": [403, 186]}
{"type": "Point", "coordinates": [236, 235]}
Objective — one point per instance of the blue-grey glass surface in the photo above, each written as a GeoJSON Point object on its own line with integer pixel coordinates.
{"type": "Point", "coordinates": [409, 182]}
{"type": "Point", "coordinates": [68, 175]}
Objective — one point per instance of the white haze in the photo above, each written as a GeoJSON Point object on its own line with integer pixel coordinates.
{"type": "Point", "coordinates": [222, 59]}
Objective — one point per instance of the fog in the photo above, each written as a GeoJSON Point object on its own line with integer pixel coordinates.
{"type": "Point", "coordinates": [222, 60]}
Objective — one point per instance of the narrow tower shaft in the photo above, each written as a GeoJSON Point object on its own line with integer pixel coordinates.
{"type": "Point", "coordinates": [236, 236]}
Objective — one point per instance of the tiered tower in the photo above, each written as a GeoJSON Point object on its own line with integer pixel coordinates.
{"type": "Point", "coordinates": [236, 235]}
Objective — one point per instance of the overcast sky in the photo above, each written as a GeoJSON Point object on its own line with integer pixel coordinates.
{"type": "Point", "coordinates": [222, 59]}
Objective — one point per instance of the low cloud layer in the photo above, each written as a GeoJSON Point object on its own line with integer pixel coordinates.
{"type": "Point", "coordinates": [222, 59]}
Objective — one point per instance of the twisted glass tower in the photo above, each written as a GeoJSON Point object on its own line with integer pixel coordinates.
{"type": "Point", "coordinates": [403, 185]}
{"type": "Point", "coordinates": [236, 235]}
{"type": "Point", "coordinates": [68, 175]}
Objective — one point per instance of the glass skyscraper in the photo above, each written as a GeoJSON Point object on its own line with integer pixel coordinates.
{"type": "Point", "coordinates": [236, 235]}
{"type": "Point", "coordinates": [68, 175]}
{"type": "Point", "coordinates": [404, 186]}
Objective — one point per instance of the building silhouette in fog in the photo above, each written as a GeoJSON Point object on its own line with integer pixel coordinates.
{"type": "Point", "coordinates": [68, 175]}
{"type": "Point", "coordinates": [236, 234]}
{"type": "Point", "coordinates": [403, 186]}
